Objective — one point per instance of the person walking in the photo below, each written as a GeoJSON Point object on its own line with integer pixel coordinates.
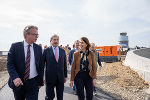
{"type": "Point", "coordinates": [83, 72]}
{"type": "Point", "coordinates": [56, 69]}
{"type": "Point", "coordinates": [70, 59]}
{"type": "Point", "coordinates": [24, 66]}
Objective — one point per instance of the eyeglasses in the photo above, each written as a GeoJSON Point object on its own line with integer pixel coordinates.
{"type": "Point", "coordinates": [35, 34]}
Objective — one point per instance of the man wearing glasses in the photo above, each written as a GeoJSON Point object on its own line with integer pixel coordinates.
{"type": "Point", "coordinates": [24, 68]}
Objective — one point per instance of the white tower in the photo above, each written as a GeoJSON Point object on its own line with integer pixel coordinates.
{"type": "Point", "coordinates": [123, 40]}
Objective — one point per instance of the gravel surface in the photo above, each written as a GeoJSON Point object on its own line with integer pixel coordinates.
{"type": "Point", "coordinates": [3, 73]}
{"type": "Point", "coordinates": [3, 63]}
{"type": "Point", "coordinates": [3, 78]}
{"type": "Point", "coordinates": [119, 80]}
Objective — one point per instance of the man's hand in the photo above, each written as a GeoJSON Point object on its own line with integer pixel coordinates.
{"type": "Point", "coordinates": [65, 79]}
{"type": "Point", "coordinates": [71, 83]}
{"type": "Point", "coordinates": [17, 82]}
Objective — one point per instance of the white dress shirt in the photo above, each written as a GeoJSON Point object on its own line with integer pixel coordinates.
{"type": "Point", "coordinates": [33, 71]}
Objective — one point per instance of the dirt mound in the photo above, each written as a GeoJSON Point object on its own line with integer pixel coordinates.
{"type": "Point", "coordinates": [3, 61]}
{"type": "Point", "coordinates": [122, 81]}
{"type": "Point", "coordinates": [125, 76]}
{"type": "Point", "coordinates": [3, 78]}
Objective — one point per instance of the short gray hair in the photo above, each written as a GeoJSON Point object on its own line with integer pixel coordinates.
{"type": "Point", "coordinates": [27, 29]}
{"type": "Point", "coordinates": [93, 44]}
{"type": "Point", "coordinates": [76, 41]}
{"type": "Point", "coordinates": [55, 35]}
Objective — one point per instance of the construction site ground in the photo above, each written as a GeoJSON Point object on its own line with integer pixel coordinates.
{"type": "Point", "coordinates": [113, 78]}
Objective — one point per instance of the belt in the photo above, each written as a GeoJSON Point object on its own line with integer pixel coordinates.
{"type": "Point", "coordinates": [32, 79]}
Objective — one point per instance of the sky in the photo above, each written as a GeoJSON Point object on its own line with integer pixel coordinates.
{"type": "Point", "coordinates": [101, 21]}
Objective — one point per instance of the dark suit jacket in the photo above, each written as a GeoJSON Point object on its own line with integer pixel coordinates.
{"type": "Point", "coordinates": [54, 69]}
{"type": "Point", "coordinates": [76, 65]}
{"type": "Point", "coordinates": [70, 57]}
{"type": "Point", "coordinates": [16, 63]}
{"type": "Point", "coordinates": [97, 58]}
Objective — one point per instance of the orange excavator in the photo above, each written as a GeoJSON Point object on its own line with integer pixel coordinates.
{"type": "Point", "coordinates": [109, 53]}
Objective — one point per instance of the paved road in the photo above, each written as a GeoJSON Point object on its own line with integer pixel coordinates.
{"type": "Point", "coordinates": [143, 52]}
{"type": "Point", "coordinates": [6, 94]}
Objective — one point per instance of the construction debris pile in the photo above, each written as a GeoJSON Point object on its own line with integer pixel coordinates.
{"type": "Point", "coordinates": [122, 81]}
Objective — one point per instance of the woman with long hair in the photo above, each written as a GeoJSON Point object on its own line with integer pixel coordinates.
{"type": "Point", "coordinates": [83, 72]}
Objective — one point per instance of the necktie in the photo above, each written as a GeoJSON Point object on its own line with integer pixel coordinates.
{"type": "Point", "coordinates": [27, 70]}
{"type": "Point", "coordinates": [56, 55]}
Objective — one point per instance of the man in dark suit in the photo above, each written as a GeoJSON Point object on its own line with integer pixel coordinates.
{"type": "Point", "coordinates": [24, 66]}
{"type": "Point", "coordinates": [56, 69]}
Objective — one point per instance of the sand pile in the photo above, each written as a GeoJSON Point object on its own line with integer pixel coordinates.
{"type": "Point", "coordinates": [3, 61]}
{"type": "Point", "coordinates": [122, 81]}
{"type": "Point", "coordinates": [125, 76]}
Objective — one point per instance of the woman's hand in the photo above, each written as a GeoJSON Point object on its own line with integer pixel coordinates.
{"type": "Point", "coordinates": [71, 83]}
{"type": "Point", "coordinates": [94, 82]}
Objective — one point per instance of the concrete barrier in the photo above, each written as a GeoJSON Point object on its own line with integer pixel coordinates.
{"type": "Point", "coordinates": [3, 53]}
{"type": "Point", "coordinates": [139, 64]}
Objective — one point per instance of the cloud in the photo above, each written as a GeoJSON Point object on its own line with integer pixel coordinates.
{"type": "Point", "coordinates": [114, 16]}
{"type": "Point", "coordinates": [25, 12]}
{"type": "Point", "coordinates": [99, 20]}
{"type": "Point", "coordinates": [113, 10]}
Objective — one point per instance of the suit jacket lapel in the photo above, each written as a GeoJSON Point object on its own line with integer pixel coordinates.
{"type": "Point", "coordinates": [22, 52]}
{"type": "Point", "coordinates": [52, 53]}
{"type": "Point", "coordinates": [35, 53]}
{"type": "Point", "coordinates": [59, 54]}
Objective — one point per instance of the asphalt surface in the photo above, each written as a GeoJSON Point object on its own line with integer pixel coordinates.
{"type": "Point", "coordinates": [143, 52]}
{"type": "Point", "coordinates": [7, 94]}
